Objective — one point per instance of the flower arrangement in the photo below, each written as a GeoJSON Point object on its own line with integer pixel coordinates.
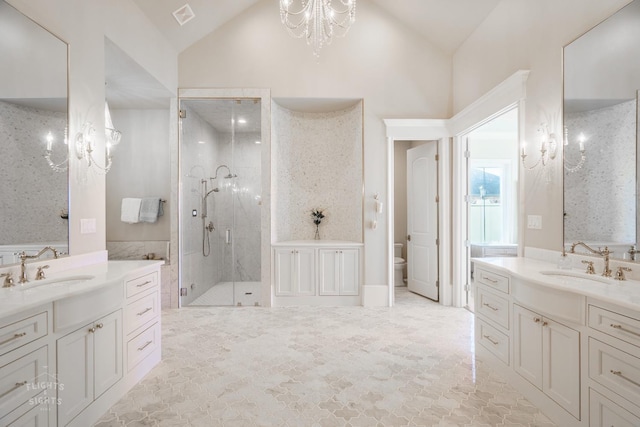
{"type": "Point", "coordinates": [317, 215]}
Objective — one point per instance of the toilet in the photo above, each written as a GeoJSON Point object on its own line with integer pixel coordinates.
{"type": "Point", "coordinates": [398, 265]}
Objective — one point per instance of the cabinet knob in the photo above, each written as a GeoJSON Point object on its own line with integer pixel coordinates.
{"type": "Point", "coordinates": [92, 330]}
{"type": "Point", "coordinates": [545, 323]}
{"type": "Point", "coordinates": [537, 319]}
{"type": "Point", "coordinates": [99, 325]}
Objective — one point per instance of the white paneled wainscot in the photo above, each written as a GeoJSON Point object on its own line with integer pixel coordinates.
{"type": "Point", "coordinates": [568, 341]}
{"type": "Point", "coordinates": [317, 272]}
{"type": "Point", "coordinates": [71, 345]}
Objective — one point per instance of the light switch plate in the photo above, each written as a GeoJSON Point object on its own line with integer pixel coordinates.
{"type": "Point", "coordinates": [87, 225]}
{"type": "Point", "coordinates": [534, 222]}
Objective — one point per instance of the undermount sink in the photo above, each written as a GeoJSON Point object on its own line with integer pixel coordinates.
{"type": "Point", "coordinates": [67, 280]}
{"type": "Point", "coordinates": [576, 276]}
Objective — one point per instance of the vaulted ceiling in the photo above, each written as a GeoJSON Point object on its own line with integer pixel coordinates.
{"type": "Point", "coordinates": [445, 23]}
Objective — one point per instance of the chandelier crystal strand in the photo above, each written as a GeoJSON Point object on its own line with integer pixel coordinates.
{"type": "Point", "coordinates": [317, 20]}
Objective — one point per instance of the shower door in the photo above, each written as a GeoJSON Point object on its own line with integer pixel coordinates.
{"type": "Point", "coordinates": [220, 194]}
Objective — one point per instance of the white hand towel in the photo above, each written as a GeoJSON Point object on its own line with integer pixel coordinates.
{"type": "Point", "coordinates": [150, 209]}
{"type": "Point", "coordinates": [130, 211]}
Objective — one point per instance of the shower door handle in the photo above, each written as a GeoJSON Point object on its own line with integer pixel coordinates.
{"type": "Point", "coordinates": [227, 236]}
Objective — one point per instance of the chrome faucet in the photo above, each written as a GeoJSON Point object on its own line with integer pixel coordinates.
{"type": "Point", "coordinates": [605, 253]}
{"type": "Point", "coordinates": [24, 257]}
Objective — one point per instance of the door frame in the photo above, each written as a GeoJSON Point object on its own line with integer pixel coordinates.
{"type": "Point", "coordinates": [450, 134]}
{"type": "Point", "coordinates": [421, 130]}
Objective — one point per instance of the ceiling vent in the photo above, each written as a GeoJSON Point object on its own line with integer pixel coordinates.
{"type": "Point", "coordinates": [184, 14]}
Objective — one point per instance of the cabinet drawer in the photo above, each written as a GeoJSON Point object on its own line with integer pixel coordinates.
{"type": "Point", "coordinates": [493, 307]}
{"type": "Point", "coordinates": [143, 345]}
{"type": "Point", "coordinates": [491, 279]}
{"type": "Point", "coordinates": [614, 324]}
{"type": "Point", "coordinates": [18, 379]}
{"type": "Point", "coordinates": [493, 340]}
{"type": "Point", "coordinates": [615, 369]}
{"type": "Point", "coordinates": [34, 412]}
{"type": "Point", "coordinates": [84, 308]}
{"type": "Point", "coordinates": [605, 413]}
{"type": "Point", "coordinates": [22, 332]}
{"type": "Point", "coordinates": [141, 284]}
{"type": "Point", "coordinates": [141, 311]}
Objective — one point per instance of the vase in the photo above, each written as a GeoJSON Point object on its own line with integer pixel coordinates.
{"type": "Point", "coordinates": [317, 235]}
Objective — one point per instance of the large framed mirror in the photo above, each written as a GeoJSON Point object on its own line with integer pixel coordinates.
{"type": "Point", "coordinates": [601, 83]}
{"type": "Point", "coordinates": [33, 134]}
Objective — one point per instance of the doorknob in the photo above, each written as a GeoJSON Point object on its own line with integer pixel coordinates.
{"type": "Point", "coordinates": [409, 238]}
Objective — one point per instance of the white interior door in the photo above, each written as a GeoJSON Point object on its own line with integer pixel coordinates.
{"type": "Point", "coordinates": [422, 220]}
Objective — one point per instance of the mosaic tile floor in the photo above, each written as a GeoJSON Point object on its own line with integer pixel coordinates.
{"type": "Point", "coordinates": [410, 365]}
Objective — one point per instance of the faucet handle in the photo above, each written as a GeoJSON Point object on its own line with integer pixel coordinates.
{"type": "Point", "coordinates": [590, 268]}
{"type": "Point", "coordinates": [8, 279]}
{"type": "Point", "coordinates": [620, 272]}
{"type": "Point", "coordinates": [40, 272]}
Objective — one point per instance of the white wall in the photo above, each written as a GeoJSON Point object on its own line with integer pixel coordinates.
{"type": "Point", "coordinates": [84, 24]}
{"type": "Point", "coordinates": [395, 71]}
{"type": "Point", "coordinates": [140, 169]}
{"type": "Point", "coordinates": [524, 34]}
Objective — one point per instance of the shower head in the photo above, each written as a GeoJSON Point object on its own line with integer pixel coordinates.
{"type": "Point", "coordinates": [229, 175]}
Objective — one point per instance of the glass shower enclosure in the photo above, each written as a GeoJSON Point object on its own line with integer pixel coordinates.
{"type": "Point", "coordinates": [220, 202]}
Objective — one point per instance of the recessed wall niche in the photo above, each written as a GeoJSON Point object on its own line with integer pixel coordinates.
{"type": "Point", "coordinates": [317, 162]}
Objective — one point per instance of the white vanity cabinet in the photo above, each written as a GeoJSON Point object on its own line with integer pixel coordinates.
{"type": "Point", "coordinates": [614, 365]}
{"type": "Point", "coordinates": [68, 353]}
{"type": "Point", "coordinates": [547, 354]}
{"type": "Point", "coordinates": [295, 271]}
{"type": "Point", "coordinates": [317, 272]}
{"type": "Point", "coordinates": [89, 362]}
{"type": "Point", "coordinates": [338, 271]}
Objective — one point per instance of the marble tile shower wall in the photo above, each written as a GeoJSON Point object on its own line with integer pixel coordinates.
{"type": "Point", "coordinates": [237, 207]}
{"type": "Point", "coordinates": [22, 132]}
{"type": "Point", "coordinates": [608, 177]}
{"type": "Point", "coordinates": [198, 162]}
{"type": "Point", "coordinates": [317, 163]}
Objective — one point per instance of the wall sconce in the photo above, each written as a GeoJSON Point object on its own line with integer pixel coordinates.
{"type": "Point", "coordinates": [84, 145]}
{"type": "Point", "coordinates": [63, 166]}
{"type": "Point", "coordinates": [571, 168]}
{"type": "Point", "coordinates": [548, 148]}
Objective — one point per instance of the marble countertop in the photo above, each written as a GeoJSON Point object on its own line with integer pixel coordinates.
{"type": "Point", "coordinates": [319, 243]}
{"type": "Point", "coordinates": [36, 293]}
{"type": "Point", "coordinates": [623, 293]}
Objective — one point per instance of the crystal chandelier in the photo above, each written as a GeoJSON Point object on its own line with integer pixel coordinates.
{"type": "Point", "coordinates": [317, 20]}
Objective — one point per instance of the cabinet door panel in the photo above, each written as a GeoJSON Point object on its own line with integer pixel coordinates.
{"type": "Point", "coordinates": [527, 350]}
{"type": "Point", "coordinates": [349, 272]}
{"type": "Point", "coordinates": [108, 352]}
{"type": "Point", "coordinates": [284, 271]}
{"type": "Point", "coordinates": [561, 365]}
{"type": "Point", "coordinates": [75, 373]}
{"type": "Point", "coordinates": [306, 277]}
{"type": "Point", "coordinates": [328, 272]}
